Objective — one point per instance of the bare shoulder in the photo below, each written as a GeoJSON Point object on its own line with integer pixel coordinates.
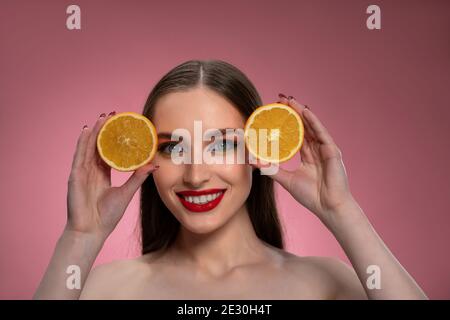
{"type": "Point", "coordinates": [348, 285]}
{"type": "Point", "coordinates": [103, 280]}
{"type": "Point", "coordinates": [344, 279]}
{"type": "Point", "coordinates": [329, 277]}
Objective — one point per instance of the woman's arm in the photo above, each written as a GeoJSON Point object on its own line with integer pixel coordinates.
{"type": "Point", "coordinates": [94, 208]}
{"type": "Point", "coordinates": [73, 250]}
{"type": "Point", "coordinates": [368, 255]}
{"type": "Point", "coordinates": [321, 185]}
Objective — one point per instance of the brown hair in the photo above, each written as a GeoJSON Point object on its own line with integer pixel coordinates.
{"type": "Point", "coordinates": [159, 227]}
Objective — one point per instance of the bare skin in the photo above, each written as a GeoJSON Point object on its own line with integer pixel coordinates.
{"type": "Point", "coordinates": [219, 256]}
{"type": "Point", "coordinates": [280, 276]}
{"type": "Point", "coordinates": [256, 270]}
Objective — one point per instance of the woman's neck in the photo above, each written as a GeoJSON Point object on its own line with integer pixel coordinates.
{"type": "Point", "coordinates": [234, 244]}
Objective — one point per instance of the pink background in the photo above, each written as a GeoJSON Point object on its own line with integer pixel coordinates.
{"type": "Point", "coordinates": [383, 94]}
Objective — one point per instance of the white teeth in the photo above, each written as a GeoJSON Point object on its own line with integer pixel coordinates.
{"type": "Point", "coordinates": [202, 199]}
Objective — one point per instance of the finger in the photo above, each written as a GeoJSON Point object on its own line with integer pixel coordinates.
{"type": "Point", "coordinates": [306, 152]}
{"type": "Point", "coordinates": [92, 142]}
{"type": "Point", "coordinates": [318, 128]}
{"type": "Point", "coordinates": [283, 177]}
{"type": "Point", "coordinates": [280, 175]}
{"type": "Point", "coordinates": [283, 99]}
{"type": "Point", "coordinates": [258, 163]}
{"type": "Point", "coordinates": [104, 168]}
{"type": "Point", "coordinates": [138, 177]}
{"type": "Point", "coordinates": [300, 108]}
{"type": "Point", "coordinates": [260, 166]}
{"type": "Point", "coordinates": [309, 132]}
{"type": "Point", "coordinates": [80, 150]}
{"type": "Point", "coordinates": [297, 106]}
{"type": "Point", "coordinates": [290, 101]}
{"type": "Point", "coordinates": [253, 161]}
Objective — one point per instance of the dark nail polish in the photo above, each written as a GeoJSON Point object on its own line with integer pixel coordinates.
{"type": "Point", "coordinates": [102, 115]}
{"type": "Point", "coordinates": [306, 106]}
{"type": "Point", "coordinates": [112, 113]}
{"type": "Point", "coordinates": [152, 170]}
{"type": "Point", "coordinates": [281, 95]}
{"type": "Point", "coordinates": [290, 97]}
{"type": "Point", "coordinates": [85, 127]}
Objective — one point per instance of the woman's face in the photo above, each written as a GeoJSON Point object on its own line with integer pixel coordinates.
{"type": "Point", "coordinates": [178, 184]}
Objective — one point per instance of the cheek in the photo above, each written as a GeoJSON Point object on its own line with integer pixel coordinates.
{"type": "Point", "coordinates": [166, 177]}
{"type": "Point", "coordinates": [238, 176]}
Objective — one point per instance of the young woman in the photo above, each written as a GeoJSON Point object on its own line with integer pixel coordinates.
{"type": "Point", "coordinates": [234, 250]}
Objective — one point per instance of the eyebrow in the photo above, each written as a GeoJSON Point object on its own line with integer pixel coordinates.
{"type": "Point", "coordinates": [168, 135]}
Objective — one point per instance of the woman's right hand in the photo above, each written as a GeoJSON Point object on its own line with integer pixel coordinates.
{"type": "Point", "coordinates": [93, 206]}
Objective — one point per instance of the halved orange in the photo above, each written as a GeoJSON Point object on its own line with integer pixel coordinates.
{"type": "Point", "coordinates": [289, 135]}
{"type": "Point", "coordinates": [127, 141]}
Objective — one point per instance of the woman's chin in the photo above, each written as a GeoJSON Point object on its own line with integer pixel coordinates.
{"type": "Point", "coordinates": [202, 227]}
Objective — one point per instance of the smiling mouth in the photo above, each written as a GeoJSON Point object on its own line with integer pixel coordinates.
{"type": "Point", "coordinates": [200, 201]}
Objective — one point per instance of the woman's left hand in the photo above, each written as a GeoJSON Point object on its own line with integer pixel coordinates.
{"type": "Point", "coordinates": [320, 182]}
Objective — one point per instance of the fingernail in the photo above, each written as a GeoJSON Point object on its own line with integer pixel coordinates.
{"type": "Point", "coordinates": [306, 107]}
{"type": "Point", "coordinates": [102, 115]}
{"type": "Point", "coordinates": [281, 95]}
{"type": "Point", "coordinates": [112, 113]}
{"type": "Point", "coordinates": [153, 169]}
{"type": "Point", "coordinates": [290, 97]}
{"type": "Point", "coordinates": [85, 127]}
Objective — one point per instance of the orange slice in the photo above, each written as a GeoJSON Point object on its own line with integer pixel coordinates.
{"type": "Point", "coordinates": [289, 135]}
{"type": "Point", "coordinates": [127, 141]}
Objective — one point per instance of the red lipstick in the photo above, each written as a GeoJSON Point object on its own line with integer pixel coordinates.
{"type": "Point", "coordinates": [198, 207]}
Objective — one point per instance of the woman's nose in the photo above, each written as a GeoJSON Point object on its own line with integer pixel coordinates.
{"type": "Point", "coordinates": [196, 175]}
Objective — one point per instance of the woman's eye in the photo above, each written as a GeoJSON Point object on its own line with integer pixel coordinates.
{"type": "Point", "coordinates": [169, 147]}
{"type": "Point", "coordinates": [220, 146]}
{"type": "Point", "coordinates": [223, 145]}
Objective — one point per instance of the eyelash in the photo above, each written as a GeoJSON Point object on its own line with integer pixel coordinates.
{"type": "Point", "coordinates": [162, 146]}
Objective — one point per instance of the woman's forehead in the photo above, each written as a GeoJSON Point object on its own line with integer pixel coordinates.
{"type": "Point", "coordinates": [182, 109]}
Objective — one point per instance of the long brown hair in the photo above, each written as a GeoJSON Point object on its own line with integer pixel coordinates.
{"type": "Point", "coordinates": [159, 227]}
